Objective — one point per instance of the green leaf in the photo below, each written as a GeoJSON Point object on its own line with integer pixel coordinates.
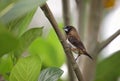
{"type": "Point", "coordinates": [45, 50]}
{"type": "Point", "coordinates": [49, 49]}
{"type": "Point", "coordinates": [26, 69]}
{"type": "Point", "coordinates": [27, 38]}
{"type": "Point", "coordinates": [109, 68]}
{"type": "Point", "coordinates": [49, 54]}
{"type": "Point", "coordinates": [55, 42]}
{"type": "Point", "coordinates": [4, 4]}
{"type": "Point", "coordinates": [6, 65]}
{"type": "Point", "coordinates": [20, 8]}
{"type": "Point", "coordinates": [50, 74]}
{"type": "Point", "coordinates": [8, 42]}
{"type": "Point", "coordinates": [19, 25]}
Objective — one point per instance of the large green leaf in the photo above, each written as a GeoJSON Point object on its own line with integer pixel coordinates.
{"type": "Point", "coordinates": [48, 53]}
{"type": "Point", "coordinates": [8, 42]}
{"type": "Point", "coordinates": [49, 49]}
{"type": "Point", "coordinates": [27, 38]}
{"type": "Point", "coordinates": [20, 8]}
{"type": "Point", "coordinates": [19, 25]}
{"type": "Point", "coordinates": [50, 74]}
{"type": "Point", "coordinates": [55, 42]}
{"type": "Point", "coordinates": [26, 69]}
{"type": "Point", "coordinates": [109, 68]}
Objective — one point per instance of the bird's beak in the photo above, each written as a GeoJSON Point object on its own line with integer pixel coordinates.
{"type": "Point", "coordinates": [65, 29]}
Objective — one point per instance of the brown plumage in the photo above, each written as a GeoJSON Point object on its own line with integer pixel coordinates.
{"type": "Point", "coordinates": [74, 40]}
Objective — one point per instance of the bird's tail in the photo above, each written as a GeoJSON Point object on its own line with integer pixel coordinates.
{"type": "Point", "coordinates": [88, 55]}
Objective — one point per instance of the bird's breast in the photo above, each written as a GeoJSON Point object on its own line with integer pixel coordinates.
{"type": "Point", "coordinates": [72, 46]}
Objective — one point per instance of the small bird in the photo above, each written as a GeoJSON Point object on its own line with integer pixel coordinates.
{"type": "Point", "coordinates": [74, 41]}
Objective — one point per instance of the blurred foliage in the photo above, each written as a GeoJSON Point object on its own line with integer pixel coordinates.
{"type": "Point", "coordinates": [19, 25]}
{"type": "Point", "coordinates": [16, 64]}
{"type": "Point", "coordinates": [5, 3]}
{"type": "Point", "coordinates": [6, 65]}
{"type": "Point", "coordinates": [8, 42]}
{"type": "Point", "coordinates": [26, 69]}
{"type": "Point", "coordinates": [50, 74]}
{"type": "Point", "coordinates": [19, 8]}
{"type": "Point", "coordinates": [109, 68]}
{"type": "Point", "coordinates": [49, 50]}
{"type": "Point", "coordinates": [26, 39]}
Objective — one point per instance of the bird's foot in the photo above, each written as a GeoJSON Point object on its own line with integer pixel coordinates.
{"type": "Point", "coordinates": [74, 49]}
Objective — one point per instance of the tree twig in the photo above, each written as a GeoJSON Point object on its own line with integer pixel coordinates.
{"type": "Point", "coordinates": [69, 55]}
{"type": "Point", "coordinates": [66, 12]}
{"type": "Point", "coordinates": [103, 44]}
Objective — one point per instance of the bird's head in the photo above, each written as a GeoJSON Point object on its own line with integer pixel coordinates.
{"type": "Point", "coordinates": [67, 29]}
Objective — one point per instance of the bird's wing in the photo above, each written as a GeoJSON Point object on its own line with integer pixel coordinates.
{"type": "Point", "coordinates": [77, 43]}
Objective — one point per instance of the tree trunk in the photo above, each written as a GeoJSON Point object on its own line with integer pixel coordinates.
{"type": "Point", "coordinates": [88, 66]}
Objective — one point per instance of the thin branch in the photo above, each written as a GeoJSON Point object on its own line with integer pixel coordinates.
{"type": "Point", "coordinates": [61, 37]}
{"type": "Point", "coordinates": [107, 41]}
{"type": "Point", "coordinates": [66, 18]}
{"type": "Point", "coordinates": [81, 8]}
{"type": "Point", "coordinates": [66, 12]}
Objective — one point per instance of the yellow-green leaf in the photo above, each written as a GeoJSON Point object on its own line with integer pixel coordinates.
{"type": "Point", "coordinates": [26, 69]}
